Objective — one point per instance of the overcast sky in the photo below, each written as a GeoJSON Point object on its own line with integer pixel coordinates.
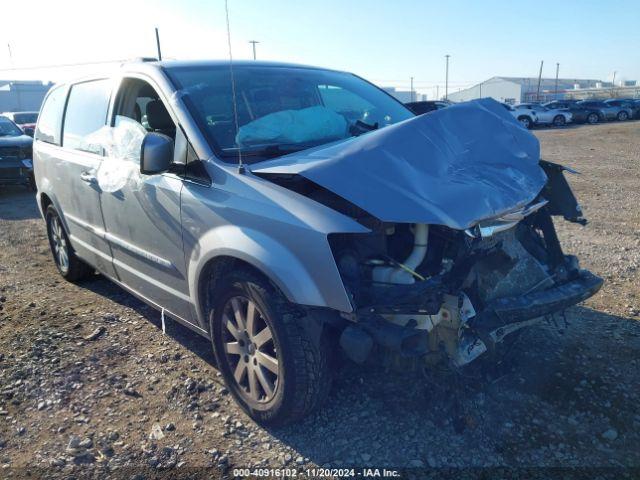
{"type": "Point", "coordinates": [384, 41]}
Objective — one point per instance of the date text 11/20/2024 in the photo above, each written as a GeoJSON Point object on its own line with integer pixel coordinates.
{"type": "Point", "coordinates": [316, 472]}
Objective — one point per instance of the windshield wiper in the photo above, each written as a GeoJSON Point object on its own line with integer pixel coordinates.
{"type": "Point", "coordinates": [269, 151]}
{"type": "Point", "coordinates": [359, 127]}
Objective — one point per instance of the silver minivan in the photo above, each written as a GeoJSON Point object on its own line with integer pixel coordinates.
{"type": "Point", "coordinates": [293, 214]}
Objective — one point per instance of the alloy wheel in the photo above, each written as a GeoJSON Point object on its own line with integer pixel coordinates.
{"type": "Point", "coordinates": [59, 244]}
{"type": "Point", "coordinates": [250, 349]}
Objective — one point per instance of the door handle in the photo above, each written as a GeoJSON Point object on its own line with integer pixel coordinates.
{"type": "Point", "coordinates": [88, 177]}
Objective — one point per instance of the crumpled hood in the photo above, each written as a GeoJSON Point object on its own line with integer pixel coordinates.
{"type": "Point", "coordinates": [453, 167]}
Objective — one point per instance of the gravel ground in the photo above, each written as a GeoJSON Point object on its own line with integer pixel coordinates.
{"type": "Point", "coordinates": [91, 387]}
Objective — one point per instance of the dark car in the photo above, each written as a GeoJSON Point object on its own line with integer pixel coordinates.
{"type": "Point", "coordinates": [25, 120]}
{"type": "Point", "coordinates": [15, 155]}
{"type": "Point", "coordinates": [610, 112]}
{"type": "Point", "coordinates": [636, 102]}
{"type": "Point", "coordinates": [628, 108]}
{"type": "Point", "coordinates": [581, 113]}
{"type": "Point", "coordinates": [426, 106]}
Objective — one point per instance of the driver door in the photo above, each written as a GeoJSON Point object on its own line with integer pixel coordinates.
{"type": "Point", "coordinates": [142, 212]}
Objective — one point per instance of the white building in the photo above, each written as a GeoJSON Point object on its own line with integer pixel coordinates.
{"type": "Point", "coordinates": [21, 96]}
{"type": "Point", "coordinates": [524, 89]}
{"type": "Point", "coordinates": [405, 95]}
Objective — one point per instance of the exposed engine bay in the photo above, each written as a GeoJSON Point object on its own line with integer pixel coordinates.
{"type": "Point", "coordinates": [439, 293]}
{"type": "Point", "coordinates": [461, 249]}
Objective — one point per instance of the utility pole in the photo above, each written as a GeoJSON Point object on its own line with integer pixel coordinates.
{"type": "Point", "coordinates": [539, 79]}
{"type": "Point", "coordinates": [10, 54]}
{"type": "Point", "coordinates": [158, 45]}
{"type": "Point", "coordinates": [412, 97]}
{"type": "Point", "coordinates": [613, 82]}
{"type": "Point", "coordinates": [446, 81]}
{"type": "Point", "coordinates": [557, 70]}
{"type": "Point", "coordinates": [437, 92]}
{"type": "Point", "coordinates": [253, 44]}
{"type": "Point", "coordinates": [480, 90]}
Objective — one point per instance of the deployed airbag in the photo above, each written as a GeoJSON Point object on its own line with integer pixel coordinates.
{"type": "Point", "coordinates": [293, 126]}
{"type": "Point", "coordinates": [453, 167]}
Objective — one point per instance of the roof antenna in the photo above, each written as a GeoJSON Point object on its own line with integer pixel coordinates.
{"type": "Point", "coordinates": [158, 45]}
{"type": "Point", "coordinates": [233, 87]}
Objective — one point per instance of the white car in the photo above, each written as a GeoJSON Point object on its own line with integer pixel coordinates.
{"type": "Point", "coordinates": [527, 118]}
{"type": "Point", "coordinates": [548, 116]}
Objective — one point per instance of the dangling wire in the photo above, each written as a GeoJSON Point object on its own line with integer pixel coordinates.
{"type": "Point", "coordinates": [233, 86]}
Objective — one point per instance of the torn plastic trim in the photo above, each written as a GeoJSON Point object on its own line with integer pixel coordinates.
{"type": "Point", "coordinates": [507, 310]}
{"type": "Point", "coordinates": [509, 220]}
{"type": "Point", "coordinates": [562, 201]}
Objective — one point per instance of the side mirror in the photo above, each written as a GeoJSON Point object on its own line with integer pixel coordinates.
{"type": "Point", "coordinates": [156, 154]}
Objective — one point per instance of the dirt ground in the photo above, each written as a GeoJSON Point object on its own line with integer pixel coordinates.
{"type": "Point", "coordinates": [136, 403]}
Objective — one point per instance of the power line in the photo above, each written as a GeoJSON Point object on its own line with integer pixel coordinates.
{"type": "Point", "coordinates": [253, 44]}
{"type": "Point", "coordinates": [446, 82]}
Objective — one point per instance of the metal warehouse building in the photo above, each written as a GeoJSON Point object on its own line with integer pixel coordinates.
{"type": "Point", "coordinates": [22, 96]}
{"type": "Point", "coordinates": [524, 89]}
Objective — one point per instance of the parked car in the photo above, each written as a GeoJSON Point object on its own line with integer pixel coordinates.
{"type": "Point", "coordinates": [526, 118]}
{"type": "Point", "coordinates": [317, 214]}
{"type": "Point", "coordinates": [548, 116]}
{"type": "Point", "coordinates": [636, 102]}
{"type": "Point", "coordinates": [580, 113]}
{"type": "Point", "coordinates": [15, 155]}
{"type": "Point", "coordinates": [426, 106]}
{"type": "Point", "coordinates": [609, 112]}
{"type": "Point", "coordinates": [628, 108]}
{"type": "Point", "coordinates": [25, 120]}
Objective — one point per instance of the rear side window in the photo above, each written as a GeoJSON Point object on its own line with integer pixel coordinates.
{"type": "Point", "coordinates": [86, 114]}
{"type": "Point", "coordinates": [50, 120]}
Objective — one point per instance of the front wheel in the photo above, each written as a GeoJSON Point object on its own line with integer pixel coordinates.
{"type": "Point", "coordinates": [559, 121]}
{"type": "Point", "coordinates": [272, 367]}
{"type": "Point", "coordinates": [525, 122]}
{"type": "Point", "coordinates": [593, 118]}
{"type": "Point", "coordinates": [65, 258]}
{"type": "Point", "coordinates": [622, 116]}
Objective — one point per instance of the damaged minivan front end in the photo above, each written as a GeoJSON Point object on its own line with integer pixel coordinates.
{"type": "Point", "coordinates": [461, 250]}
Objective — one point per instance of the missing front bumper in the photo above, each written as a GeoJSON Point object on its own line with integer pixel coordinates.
{"type": "Point", "coordinates": [498, 319]}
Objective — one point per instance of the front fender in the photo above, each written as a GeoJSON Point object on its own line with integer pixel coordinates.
{"type": "Point", "coordinates": [313, 280]}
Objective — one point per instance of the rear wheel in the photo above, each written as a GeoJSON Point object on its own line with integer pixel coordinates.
{"type": "Point", "coordinates": [65, 258]}
{"type": "Point", "coordinates": [622, 116]}
{"type": "Point", "coordinates": [525, 122]}
{"type": "Point", "coordinates": [272, 367]}
{"type": "Point", "coordinates": [559, 121]}
{"type": "Point", "coordinates": [593, 118]}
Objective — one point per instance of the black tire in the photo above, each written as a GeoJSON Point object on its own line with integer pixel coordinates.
{"type": "Point", "coordinates": [303, 379]}
{"type": "Point", "coordinates": [559, 121]}
{"type": "Point", "coordinates": [623, 116]}
{"type": "Point", "coordinates": [526, 122]}
{"type": "Point", "coordinates": [74, 269]}
{"type": "Point", "coordinates": [593, 118]}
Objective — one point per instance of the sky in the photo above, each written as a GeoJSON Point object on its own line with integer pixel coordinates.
{"type": "Point", "coordinates": [387, 42]}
